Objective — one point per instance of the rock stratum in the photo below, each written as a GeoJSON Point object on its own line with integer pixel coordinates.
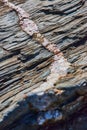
{"type": "Point", "coordinates": [32, 92]}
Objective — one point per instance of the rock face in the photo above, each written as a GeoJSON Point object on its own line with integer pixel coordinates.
{"type": "Point", "coordinates": [25, 64]}
{"type": "Point", "coordinates": [77, 122]}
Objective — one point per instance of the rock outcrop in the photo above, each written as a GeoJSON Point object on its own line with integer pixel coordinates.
{"type": "Point", "coordinates": [25, 64]}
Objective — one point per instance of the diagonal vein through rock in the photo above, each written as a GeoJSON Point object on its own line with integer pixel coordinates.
{"type": "Point", "coordinates": [59, 65]}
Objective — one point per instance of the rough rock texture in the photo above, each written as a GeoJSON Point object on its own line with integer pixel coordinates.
{"type": "Point", "coordinates": [24, 64]}
{"type": "Point", "coordinates": [77, 122]}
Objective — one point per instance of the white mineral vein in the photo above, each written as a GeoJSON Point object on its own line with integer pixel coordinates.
{"type": "Point", "coordinates": [60, 65]}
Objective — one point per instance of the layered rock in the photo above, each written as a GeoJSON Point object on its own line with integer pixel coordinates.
{"type": "Point", "coordinates": [25, 64]}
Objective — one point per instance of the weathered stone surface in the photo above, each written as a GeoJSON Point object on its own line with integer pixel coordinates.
{"type": "Point", "coordinates": [77, 122]}
{"type": "Point", "coordinates": [24, 64]}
